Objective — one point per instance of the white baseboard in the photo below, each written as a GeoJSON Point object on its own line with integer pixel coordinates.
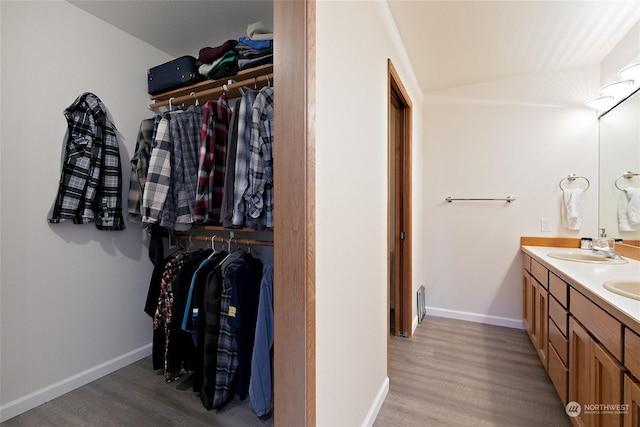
{"type": "Point", "coordinates": [414, 325]}
{"type": "Point", "coordinates": [377, 404]}
{"type": "Point", "coordinates": [31, 400]}
{"type": "Point", "coordinates": [475, 317]}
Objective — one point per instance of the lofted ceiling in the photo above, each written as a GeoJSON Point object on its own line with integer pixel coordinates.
{"type": "Point", "coordinates": [456, 43]}
{"type": "Point", "coordinates": [450, 43]}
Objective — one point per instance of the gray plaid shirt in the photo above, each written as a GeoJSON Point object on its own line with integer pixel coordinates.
{"type": "Point", "coordinates": [90, 187]}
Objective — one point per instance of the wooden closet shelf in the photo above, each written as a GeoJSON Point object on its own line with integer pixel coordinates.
{"type": "Point", "coordinates": [234, 240]}
{"type": "Point", "coordinates": [221, 228]}
{"type": "Point", "coordinates": [207, 90]}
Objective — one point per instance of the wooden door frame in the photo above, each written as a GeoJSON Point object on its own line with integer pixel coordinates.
{"type": "Point", "coordinates": [405, 206]}
{"type": "Point", "coordinates": [294, 218]}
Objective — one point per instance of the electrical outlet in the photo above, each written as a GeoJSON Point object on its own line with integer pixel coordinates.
{"type": "Point", "coordinates": [545, 224]}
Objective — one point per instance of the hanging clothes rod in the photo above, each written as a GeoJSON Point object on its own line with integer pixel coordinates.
{"type": "Point", "coordinates": [202, 96]}
{"type": "Point", "coordinates": [237, 241]}
{"type": "Point", "coordinates": [572, 178]}
{"type": "Point", "coordinates": [507, 199]}
{"type": "Point", "coordinates": [626, 175]}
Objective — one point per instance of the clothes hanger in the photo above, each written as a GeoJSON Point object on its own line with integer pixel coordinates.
{"type": "Point", "coordinates": [196, 97]}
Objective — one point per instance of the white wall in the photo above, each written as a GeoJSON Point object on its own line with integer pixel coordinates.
{"type": "Point", "coordinates": [72, 296]}
{"type": "Point", "coordinates": [516, 137]}
{"type": "Point", "coordinates": [354, 40]}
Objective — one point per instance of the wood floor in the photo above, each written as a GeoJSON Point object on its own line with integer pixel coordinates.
{"type": "Point", "coordinates": [450, 373]}
{"type": "Point", "coordinates": [457, 373]}
{"type": "Point", "coordinates": [135, 396]}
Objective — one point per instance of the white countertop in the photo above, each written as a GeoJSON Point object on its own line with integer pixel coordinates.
{"type": "Point", "coordinates": [591, 276]}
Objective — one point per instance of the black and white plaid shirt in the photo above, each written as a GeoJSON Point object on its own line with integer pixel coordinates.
{"type": "Point", "coordinates": [90, 187]}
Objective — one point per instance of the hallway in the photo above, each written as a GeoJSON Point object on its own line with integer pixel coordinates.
{"type": "Point", "coordinates": [458, 373]}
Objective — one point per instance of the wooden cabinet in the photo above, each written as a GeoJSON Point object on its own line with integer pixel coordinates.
{"type": "Point", "coordinates": [527, 295]}
{"type": "Point", "coordinates": [590, 356]}
{"type": "Point", "coordinates": [579, 355]}
{"type": "Point", "coordinates": [631, 414]}
{"type": "Point", "coordinates": [604, 327]}
{"type": "Point", "coordinates": [605, 387]}
{"type": "Point", "coordinates": [632, 352]}
{"type": "Point", "coordinates": [542, 323]}
{"type": "Point", "coordinates": [536, 300]}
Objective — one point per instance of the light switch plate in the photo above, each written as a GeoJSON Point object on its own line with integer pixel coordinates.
{"type": "Point", "coordinates": [545, 224]}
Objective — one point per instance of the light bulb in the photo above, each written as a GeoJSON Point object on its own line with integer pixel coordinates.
{"type": "Point", "coordinates": [618, 89]}
{"type": "Point", "coordinates": [601, 102]}
{"type": "Point", "coordinates": [630, 72]}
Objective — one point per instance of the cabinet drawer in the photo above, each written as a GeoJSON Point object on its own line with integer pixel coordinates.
{"type": "Point", "coordinates": [526, 262]}
{"type": "Point", "coordinates": [558, 289]}
{"type": "Point", "coordinates": [540, 273]}
{"type": "Point", "coordinates": [559, 315]}
{"type": "Point", "coordinates": [598, 322]}
{"type": "Point", "coordinates": [559, 342]}
{"type": "Point", "coordinates": [632, 352]}
{"type": "Point", "coordinates": [559, 375]}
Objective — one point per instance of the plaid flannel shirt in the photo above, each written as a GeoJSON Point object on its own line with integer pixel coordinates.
{"type": "Point", "coordinates": [185, 134]}
{"type": "Point", "coordinates": [90, 188]}
{"type": "Point", "coordinates": [139, 169]}
{"type": "Point", "coordinates": [259, 194]}
{"type": "Point", "coordinates": [212, 161]}
{"type": "Point", "coordinates": [241, 181]}
{"type": "Point", "coordinates": [158, 181]}
{"type": "Point", "coordinates": [227, 357]}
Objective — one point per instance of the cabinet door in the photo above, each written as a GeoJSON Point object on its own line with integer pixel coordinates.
{"type": "Point", "coordinates": [542, 323]}
{"type": "Point", "coordinates": [526, 301]}
{"type": "Point", "coordinates": [579, 377]}
{"type": "Point", "coordinates": [631, 415]}
{"type": "Point", "coordinates": [606, 386]}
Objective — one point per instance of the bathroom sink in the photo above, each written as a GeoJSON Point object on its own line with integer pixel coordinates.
{"type": "Point", "coordinates": [586, 256]}
{"type": "Point", "coordinates": [626, 287]}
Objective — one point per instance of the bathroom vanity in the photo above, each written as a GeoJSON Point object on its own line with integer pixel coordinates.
{"type": "Point", "coordinates": [586, 334]}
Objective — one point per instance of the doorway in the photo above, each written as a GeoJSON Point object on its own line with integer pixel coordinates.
{"type": "Point", "coordinates": [399, 207]}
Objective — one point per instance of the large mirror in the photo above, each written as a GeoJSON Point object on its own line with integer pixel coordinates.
{"type": "Point", "coordinates": [619, 154]}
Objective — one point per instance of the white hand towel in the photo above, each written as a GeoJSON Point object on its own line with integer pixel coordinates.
{"type": "Point", "coordinates": [571, 209]}
{"type": "Point", "coordinates": [629, 209]}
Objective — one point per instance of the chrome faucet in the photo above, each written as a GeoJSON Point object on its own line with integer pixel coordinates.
{"type": "Point", "coordinates": [606, 248]}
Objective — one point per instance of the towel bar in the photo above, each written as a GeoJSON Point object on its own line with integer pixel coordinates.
{"type": "Point", "coordinates": [507, 199]}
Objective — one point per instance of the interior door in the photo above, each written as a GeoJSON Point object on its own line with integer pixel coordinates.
{"type": "Point", "coordinates": [399, 207]}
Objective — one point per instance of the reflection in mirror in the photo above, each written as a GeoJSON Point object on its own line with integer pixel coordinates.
{"type": "Point", "coordinates": [620, 153]}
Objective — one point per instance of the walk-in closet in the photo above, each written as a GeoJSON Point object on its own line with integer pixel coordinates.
{"type": "Point", "coordinates": [112, 272]}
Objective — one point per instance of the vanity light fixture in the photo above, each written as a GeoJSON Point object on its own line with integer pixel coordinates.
{"type": "Point", "coordinates": [601, 103]}
{"type": "Point", "coordinates": [615, 92]}
{"type": "Point", "coordinates": [630, 72]}
{"type": "Point", "coordinates": [618, 89]}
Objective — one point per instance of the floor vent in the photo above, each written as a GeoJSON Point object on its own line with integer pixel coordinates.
{"type": "Point", "coordinates": [422, 303]}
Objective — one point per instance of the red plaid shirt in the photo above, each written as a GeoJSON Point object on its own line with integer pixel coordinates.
{"type": "Point", "coordinates": [212, 160]}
